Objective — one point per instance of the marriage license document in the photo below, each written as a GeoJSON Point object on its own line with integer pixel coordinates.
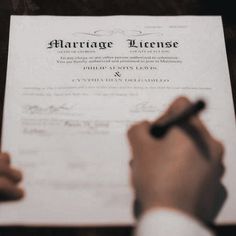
{"type": "Point", "coordinates": [76, 84]}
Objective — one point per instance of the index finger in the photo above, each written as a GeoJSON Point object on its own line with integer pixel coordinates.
{"type": "Point", "coordinates": [194, 128]}
{"type": "Point", "coordinates": [139, 133]}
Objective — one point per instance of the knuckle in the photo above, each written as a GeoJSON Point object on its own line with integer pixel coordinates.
{"type": "Point", "coordinates": [219, 169]}
{"type": "Point", "coordinates": [144, 124]}
{"type": "Point", "coordinates": [218, 150]}
{"type": "Point", "coordinates": [217, 159]}
{"type": "Point", "coordinates": [134, 130]}
{"type": "Point", "coordinates": [131, 130]}
{"type": "Point", "coordinates": [180, 103]}
{"type": "Point", "coordinates": [221, 147]}
{"type": "Point", "coordinates": [17, 175]}
{"type": "Point", "coordinates": [133, 133]}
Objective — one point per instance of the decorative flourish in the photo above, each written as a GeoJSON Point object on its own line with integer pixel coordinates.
{"type": "Point", "coordinates": [100, 33]}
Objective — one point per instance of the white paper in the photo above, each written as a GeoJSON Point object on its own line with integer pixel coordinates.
{"type": "Point", "coordinates": [67, 108]}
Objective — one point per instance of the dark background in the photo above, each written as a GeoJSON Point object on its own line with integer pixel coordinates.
{"type": "Point", "coordinates": [113, 7]}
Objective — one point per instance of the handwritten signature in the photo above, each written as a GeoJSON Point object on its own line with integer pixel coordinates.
{"type": "Point", "coordinates": [51, 109]}
{"type": "Point", "coordinates": [144, 107]}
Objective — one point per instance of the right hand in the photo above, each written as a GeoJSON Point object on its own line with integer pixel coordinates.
{"type": "Point", "coordinates": [9, 180]}
{"type": "Point", "coordinates": [172, 172]}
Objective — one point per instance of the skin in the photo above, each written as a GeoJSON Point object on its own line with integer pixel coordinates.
{"type": "Point", "coordinates": [173, 172]}
{"type": "Point", "coordinates": [9, 180]}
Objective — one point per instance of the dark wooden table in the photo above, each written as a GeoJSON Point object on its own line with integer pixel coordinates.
{"type": "Point", "coordinates": [109, 7]}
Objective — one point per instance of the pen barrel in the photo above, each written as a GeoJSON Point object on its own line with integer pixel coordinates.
{"type": "Point", "coordinates": [159, 131]}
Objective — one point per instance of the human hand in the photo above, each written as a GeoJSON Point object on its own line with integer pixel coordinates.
{"type": "Point", "coordinates": [173, 172]}
{"type": "Point", "coordinates": [9, 179]}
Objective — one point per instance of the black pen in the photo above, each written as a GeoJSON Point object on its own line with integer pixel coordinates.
{"type": "Point", "coordinates": [159, 131]}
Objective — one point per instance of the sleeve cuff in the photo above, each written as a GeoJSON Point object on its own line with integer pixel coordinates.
{"type": "Point", "coordinates": [168, 222]}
